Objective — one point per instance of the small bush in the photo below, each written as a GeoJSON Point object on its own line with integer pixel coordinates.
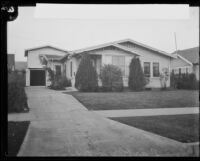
{"type": "Point", "coordinates": [136, 80]}
{"type": "Point", "coordinates": [111, 77]}
{"type": "Point", "coordinates": [184, 81]}
{"type": "Point", "coordinates": [17, 100]}
{"type": "Point", "coordinates": [86, 79]}
{"type": "Point", "coordinates": [58, 82]}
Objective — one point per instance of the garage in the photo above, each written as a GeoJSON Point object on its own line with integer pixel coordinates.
{"type": "Point", "coordinates": [37, 77]}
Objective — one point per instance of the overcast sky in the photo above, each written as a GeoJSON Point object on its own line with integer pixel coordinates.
{"type": "Point", "coordinates": [29, 32]}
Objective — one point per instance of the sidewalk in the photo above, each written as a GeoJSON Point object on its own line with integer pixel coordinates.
{"type": "Point", "coordinates": [64, 127]}
{"type": "Point", "coordinates": [147, 112]}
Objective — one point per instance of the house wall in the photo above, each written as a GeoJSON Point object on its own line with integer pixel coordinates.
{"type": "Point", "coordinates": [145, 56]}
{"type": "Point", "coordinates": [33, 61]}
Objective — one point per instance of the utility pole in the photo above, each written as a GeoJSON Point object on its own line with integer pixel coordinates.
{"type": "Point", "coordinates": [175, 42]}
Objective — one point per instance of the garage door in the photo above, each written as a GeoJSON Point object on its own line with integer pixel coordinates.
{"type": "Point", "coordinates": [37, 77]}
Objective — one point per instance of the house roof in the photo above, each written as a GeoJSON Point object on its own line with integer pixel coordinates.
{"type": "Point", "coordinates": [191, 54]}
{"type": "Point", "coordinates": [47, 46]}
{"type": "Point", "coordinates": [106, 45]}
{"type": "Point", "coordinates": [117, 44]}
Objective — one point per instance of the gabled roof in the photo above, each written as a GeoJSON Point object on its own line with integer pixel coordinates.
{"type": "Point", "coordinates": [104, 46]}
{"type": "Point", "coordinates": [191, 54]}
{"type": "Point", "coordinates": [117, 44]}
{"type": "Point", "coordinates": [47, 46]}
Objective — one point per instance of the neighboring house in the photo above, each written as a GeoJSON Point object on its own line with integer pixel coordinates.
{"type": "Point", "coordinates": [187, 61]}
{"type": "Point", "coordinates": [37, 59]}
{"type": "Point", "coordinates": [118, 53]}
{"type": "Point", "coordinates": [11, 62]}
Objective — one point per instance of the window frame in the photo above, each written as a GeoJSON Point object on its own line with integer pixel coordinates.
{"type": "Point", "coordinates": [154, 75]}
{"type": "Point", "coordinates": [149, 74]}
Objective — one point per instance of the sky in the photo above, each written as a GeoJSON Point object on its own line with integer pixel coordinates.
{"type": "Point", "coordinates": [72, 34]}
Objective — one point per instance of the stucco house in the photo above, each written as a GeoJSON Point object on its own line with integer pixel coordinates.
{"type": "Point", "coordinates": [118, 53]}
{"type": "Point", "coordinates": [187, 61]}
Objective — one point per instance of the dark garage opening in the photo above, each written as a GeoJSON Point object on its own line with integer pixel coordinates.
{"type": "Point", "coordinates": [37, 77]}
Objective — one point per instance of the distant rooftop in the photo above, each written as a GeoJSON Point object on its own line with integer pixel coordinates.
{"type": "Point", "coordinates": [191, 54]}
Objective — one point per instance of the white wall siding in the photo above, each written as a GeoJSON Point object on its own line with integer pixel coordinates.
{"type": "Point", "coordinates": [33, 60]}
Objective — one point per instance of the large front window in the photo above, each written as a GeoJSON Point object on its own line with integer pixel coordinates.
{"type": "Point", "coordinates": [120, 62]}
{"type": "Point", "coordinates": [147, 69]}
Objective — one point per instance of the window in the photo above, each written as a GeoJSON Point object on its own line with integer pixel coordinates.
{"type": "Point", "coordinates": [71, 68]}
{"type": "Point", "coordinates": [58, 70]}
{"type": "Point", "coordinates": [179, 70]}
{"type": "Point", "coordinates": [120, 62]}
{"type": "Point", "coordinates": [156, 69]}
{"type": "Point", "coordinates": [147, 69]}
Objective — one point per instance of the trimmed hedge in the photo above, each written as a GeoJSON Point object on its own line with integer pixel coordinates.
{"type": "Point", "coordinates": [17, 99]}
{"type": "Point", "coordinates": [184, 81]}
{"type": "Point", "coordinates": [111, 77]}
{"type": "Point", "coordinates": [136, 80]}
{"type": "Point", "coordinates": [86, 78]}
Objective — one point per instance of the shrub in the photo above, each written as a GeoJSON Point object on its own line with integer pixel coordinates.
{"type": "Point", "coordinates": [184, 81]}
{"type": "Point", "coordinates": [136, 80]}
{"type": "Point", "coordinates": [86, 77]}
{"type": "Point", "coordinates": [58, 82]}
{"type": "Point", "coordinates": [17, 100]}
{"type": "Point", "coordinates": [111, 77]}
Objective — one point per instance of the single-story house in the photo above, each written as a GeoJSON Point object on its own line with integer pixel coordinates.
{"type": "Point", "coordinates": [118, 53]}
{"type": "Point", "coordinates": [187, 61]}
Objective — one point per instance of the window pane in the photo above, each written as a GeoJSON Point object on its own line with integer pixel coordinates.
{"type": "Point", "coordinates": [156, 69]}
{"type": "Point", "coordinates": [147, 69]}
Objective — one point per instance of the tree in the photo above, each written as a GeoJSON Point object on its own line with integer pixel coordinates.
{"type": "Point", "coordinates": [136, 80]}
{"type": "Point", "coordinates": [86, 77]}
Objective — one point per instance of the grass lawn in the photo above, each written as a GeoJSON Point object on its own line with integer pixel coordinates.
{"type": "Point", "coordinates": [183, 128]}
{"type": "Point", "coordinates": [16, 134]}
{"type": "Point", "coordinates": [138, 100]}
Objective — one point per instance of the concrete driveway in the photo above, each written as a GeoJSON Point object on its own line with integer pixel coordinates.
{"type": "Point", "coordinates": [61, 126]}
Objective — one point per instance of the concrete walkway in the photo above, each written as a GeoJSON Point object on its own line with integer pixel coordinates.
{"type": "Point", "coordinates": [148, 112]}
{"type": "Point", "coordinates": [64, 127]}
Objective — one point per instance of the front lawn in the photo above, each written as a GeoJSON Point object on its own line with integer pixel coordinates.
{"type": "Point", "coordinates": [138, 100]}
{"type": "Point", "coordinates": [16, 134]}
{"type": "Point", "coordinates": [183, 128]}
